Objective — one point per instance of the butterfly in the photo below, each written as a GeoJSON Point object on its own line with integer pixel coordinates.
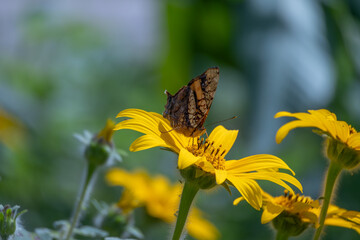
{"type": "Point", "coordinates": [188, 108]}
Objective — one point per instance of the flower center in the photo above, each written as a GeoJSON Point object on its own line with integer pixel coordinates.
{"type": "Point", "coordinates": [289, 199]}
{"type": "Point", "coordinates": [214, 155]}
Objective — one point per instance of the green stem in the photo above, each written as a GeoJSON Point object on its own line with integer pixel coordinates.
{"type": "Point", "coordinates": [282, 235]}
{"type": "Point", "coordinates": [332, 174]}
{"type": "Point", "coordinates": [89, 173]}
{"type": "Point", "coordinates": [188, 194]}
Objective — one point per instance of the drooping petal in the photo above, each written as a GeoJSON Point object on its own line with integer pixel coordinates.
{"type": "Point", "coordinates": [249, 189]}
{"type": "Point", "coordinates": [256, 163]}
{"type": "Point", "coordinates": [286, 128]}
{"type": "Point", "coordinates": [186, 159]}
{"type": "Point", "coordinates": [222, 136]}
{"type": "Point", "coordinates": [270, 212]}
{"type": "Point", "coordinates": [275, 177]}
{"type": "Point", "coordinates": [220, 176]}
{"type": "Point", "coordinates": [238, 200]}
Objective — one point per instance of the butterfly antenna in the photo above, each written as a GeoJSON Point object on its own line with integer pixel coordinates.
{"type": "Point", "coordinates": [167, 131]}
{"type": "Point", "coordinates": [233, 117]}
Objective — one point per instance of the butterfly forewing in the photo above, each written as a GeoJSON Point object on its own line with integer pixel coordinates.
{"type": "Point", "coordinates": [188, 108]}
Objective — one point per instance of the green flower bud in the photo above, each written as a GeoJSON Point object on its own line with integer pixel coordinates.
{"type": "Point", "coordinates": [100, 148]}
{"type": "Point", "coordinates": [97, 154]}
{"type": "Point", "coordinates": [8, 216]}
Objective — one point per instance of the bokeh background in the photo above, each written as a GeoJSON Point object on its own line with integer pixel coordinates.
{"type": "Point", "coordinates": [67, 66]}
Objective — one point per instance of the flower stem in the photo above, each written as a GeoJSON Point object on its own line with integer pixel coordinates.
{"type": "Point", "coordinates": [282, 235]}
{"type": "Point", "coordinates": [188, 194]}
{"type": "Point", "coordinates": [332, 174]}
{"type": "Point", "coordinates": [89, 173]}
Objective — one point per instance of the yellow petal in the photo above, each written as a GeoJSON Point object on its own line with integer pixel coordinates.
{"type": "Point", "coordinates": [222, 136]}
{"type": "Point", "coordinates": [270, 212]}
{"type": "Point", "coordinates": [146, 142]}
{"type": "Point", "coordinates": [321, 119]}
{"type": "Point", "coordinates": [338, 222]}
{"type": "Point", "coordinates": [275, 177]}
{"type": "Point", "coordinates": [249, 189]}
{"type": "Point", "coordinates": [354, 141]}
{"type": "Point", "coordinates": [205, 165]}
{"type": "Point", "coordinates": [220, 176]}
{"type": "Point", "coordinates": [256, 163]}
{"type": "Point", "coordinates": [186, 159]}
{"type": "Point", "coordinates": [286, 128]}
{"type": "Point", "coordinates": [152, 124]}
{"type": "Point", "coordinates": [238, 200]}
{"type": "Point", "coordinates": [144, 122]}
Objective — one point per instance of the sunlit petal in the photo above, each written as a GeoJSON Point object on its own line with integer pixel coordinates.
{"type": "Point", "coordinates": [152, 124]}
{"type": "Point", "coordinates": [224, 137]}
{"type": "Point", "coordinates": [220, 176]}
{"type": "Point", "coordinates": [147, 141]}
{"type": "Point", "coordinates": [249, 189]}
{"type": "Point", "coordinates": [276, 177]}
{"type": "Point", "coordinates": [255, 163]}
{"type": "Point", "coordinates": [286, 128]}
{"type": "Point", "coordinates": [186, 159]}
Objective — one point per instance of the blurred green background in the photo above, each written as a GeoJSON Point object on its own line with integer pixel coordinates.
{"type": "Point", "coordinates": [67, 66]}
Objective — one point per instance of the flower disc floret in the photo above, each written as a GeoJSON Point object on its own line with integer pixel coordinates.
{"type": "Point", "coordinates": [213, 155]}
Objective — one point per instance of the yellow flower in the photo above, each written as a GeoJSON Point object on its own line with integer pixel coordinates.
{"type": "Point", "coordinates": [160, 198]}
{"type": "Point", "coordinates": [204, 159]}
{"type": "Point", "coordinates": [12, 131]}
{"type": "Point", "coordinates": [297, 212]}
{"type": "Point", "coordinates": [297, 205]}
{"type": "Point", "coordinates": [343, 140]}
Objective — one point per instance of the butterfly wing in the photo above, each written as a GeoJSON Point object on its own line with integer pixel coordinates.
{"type": "Point", "coordinates": [187, 110]}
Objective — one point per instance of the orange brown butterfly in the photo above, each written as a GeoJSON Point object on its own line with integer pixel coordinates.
{"type": "Point", "coordinates": [188, 108]}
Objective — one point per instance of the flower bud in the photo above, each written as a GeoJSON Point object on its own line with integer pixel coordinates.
{"type": "Point", "coordinates": [8, 216]}
{"type": "Point", "coordinates": [100, 148]}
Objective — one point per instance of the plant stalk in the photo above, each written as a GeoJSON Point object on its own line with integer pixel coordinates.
{"type": "Point", "coordinates": [187, 197]}
{"type": "Point", "coordinates": [332, 174]}
{"type": "Point", "coordinates": [89, 173]}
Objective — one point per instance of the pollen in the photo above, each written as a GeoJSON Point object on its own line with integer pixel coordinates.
{"type": "Point", "coordinates": [214, 155]}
